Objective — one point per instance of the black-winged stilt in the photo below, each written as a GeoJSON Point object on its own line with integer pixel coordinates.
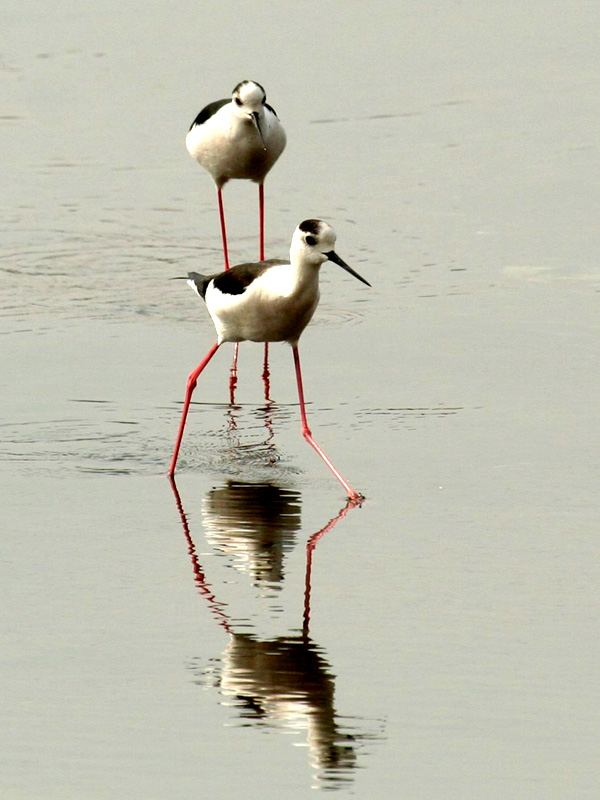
{"type": "Point", "coordinates": [269, 301]}
{"type": "Point", "coordinates": [238, 138]}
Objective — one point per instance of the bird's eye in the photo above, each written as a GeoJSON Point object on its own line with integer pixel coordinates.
{"type": "Point", "coordinates": [237, 101]}
{"type": "Point", "coordinates": [310, 241]}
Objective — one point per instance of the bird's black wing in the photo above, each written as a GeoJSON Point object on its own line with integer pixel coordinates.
{"type": "Point", "coordinates": [237, 279]}
{"type": "Point", "coordinates": [271, 109]}
{"type": "Point", "coordinates": [209, 111]}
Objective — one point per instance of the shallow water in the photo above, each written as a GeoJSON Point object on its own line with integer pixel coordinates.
{"type": "Point", "coordinates": [244, 633]}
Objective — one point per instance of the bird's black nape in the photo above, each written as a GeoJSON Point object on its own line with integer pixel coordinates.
{"type": "Point", "coordinates": [312, 226]}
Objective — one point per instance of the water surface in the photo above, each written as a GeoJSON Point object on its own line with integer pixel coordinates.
{"type": "Point", "coordinates": [248, 634]}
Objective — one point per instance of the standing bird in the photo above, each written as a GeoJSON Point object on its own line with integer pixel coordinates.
{"type": "Point", "coordinates": [269, 301]}
{"type": "Point", "coordinates": [238, 138]}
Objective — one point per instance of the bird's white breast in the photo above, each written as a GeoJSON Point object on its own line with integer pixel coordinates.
{"type": "Point", "coordinates": [229, 146]}
{"type": "Point", "coordinates": [275, 307]}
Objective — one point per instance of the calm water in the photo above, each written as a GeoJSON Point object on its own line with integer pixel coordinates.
{"type": "Point", "coordinates": [244, 633]}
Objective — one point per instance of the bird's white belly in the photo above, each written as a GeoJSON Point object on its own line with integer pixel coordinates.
{"type": "Point", "coordinates": [228, 155]}
{"type": "Point", "coordinates": [259, 316]}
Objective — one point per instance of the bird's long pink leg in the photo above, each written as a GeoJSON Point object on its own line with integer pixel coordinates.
{"type": "Point", "coordinates": [233, 371]}
{"type": "Point", "coordinates": [352, 494]}
{"type": "Point", "coordinates": [266, 375]}
{"type": "Point", "coordinates": [261, 255]}
{"type": "Point", "coordinates": [223, 228]}
{"type": "Point", "coordinates": [233, 375]}
{"type": "Point", "coordinates": [189, 389]}
{"type": "Point", "coordinates": [261, 221]}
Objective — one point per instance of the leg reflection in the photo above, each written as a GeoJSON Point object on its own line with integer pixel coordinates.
{"type": "Point", "coordinates": [284, 682]}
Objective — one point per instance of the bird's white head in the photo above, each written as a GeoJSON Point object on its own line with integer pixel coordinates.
{"type": "Point", "coordinates": [248, 97]}
{"type": "Point", "coordinates": [248, 103]}
{"type": "Point", "coordinates": [313, 243]}
{"type": "Point", "coordinates": [312, 240]}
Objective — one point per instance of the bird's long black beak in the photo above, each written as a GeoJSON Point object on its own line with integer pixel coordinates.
{"type": "Point", "coordinates": [256, 120]}
{"type": "Point", "coordinates": [333, 256]}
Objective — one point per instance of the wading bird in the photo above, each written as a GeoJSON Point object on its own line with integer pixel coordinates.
{"type": "Point", "coordinates": [269, 301]}
{"type": "Point", "coordinates": [238, 138]}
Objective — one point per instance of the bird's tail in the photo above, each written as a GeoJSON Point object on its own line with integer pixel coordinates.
{"type": "Point", "coordinates": [196, 281]}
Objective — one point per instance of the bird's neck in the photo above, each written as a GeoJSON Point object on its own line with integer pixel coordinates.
{"type": "Point", "coordinates": [305, 272]}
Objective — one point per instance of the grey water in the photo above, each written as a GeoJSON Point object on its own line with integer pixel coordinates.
{"type": "Point", "coordinates": [244, 633]}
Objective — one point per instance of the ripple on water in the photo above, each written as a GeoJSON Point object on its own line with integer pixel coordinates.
{"type": "Point", "coordinates": [238, 440]}
{"type": "Point", "coordinates": [326, 315]}
{"type": "Point", "coordinates": [403, 417]}
{"type": "Point", "coordinates": [96, 276]}
{"type": "Point", "coordinates": [244, 444]}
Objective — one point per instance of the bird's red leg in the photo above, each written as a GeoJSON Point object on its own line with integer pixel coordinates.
{"type": "Point", "coordinates": [352, 494]}
{"type": "Point", "coordinates": [189, 389]}
{"type": "Point", "coordinates": [261, 254]}
{"type": "Point", "coordinates": [223, 229]}
{"type": "Point", "coordinates": [266, 376]}
{"type": "Point", "coordinates": [261, 221]}
{"type": "Point", "coordinates": [233, 371]}
{"type": "Point", "coordinates": [233, 375]}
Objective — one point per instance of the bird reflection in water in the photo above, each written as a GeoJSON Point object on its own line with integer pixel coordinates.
{"type": "Point", "coordinates": [283, 682]}
{"type": "Point", "coordinates": [255, 524]}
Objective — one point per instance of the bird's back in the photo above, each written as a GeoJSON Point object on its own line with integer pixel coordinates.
{"type": "Point", "coordinates": [267, 301]}
{"type": "Point", "coordinates": [233, 281]}
{"type": "Point", "coordinates": [208, 111]}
